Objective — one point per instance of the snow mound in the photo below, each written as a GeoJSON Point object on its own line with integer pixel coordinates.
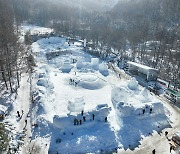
{"type": "Point", "coordinates": [133, 84]}
{"type": "Point", "coordinates": [91, 82]}
{"type": "Point", "coordinates": [77, 105]}
{"type": "Point", "coordinates": [144, 95]}
{"type": "Point", "coordinates": [45, 83]}
{"type": "Point", "coordinates": [66, 67]}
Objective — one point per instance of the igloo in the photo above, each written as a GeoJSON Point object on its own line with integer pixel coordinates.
{"type": "Point", "coordinates": [133, 84]}
{"type": "Point", "coordinates": [77, 105]}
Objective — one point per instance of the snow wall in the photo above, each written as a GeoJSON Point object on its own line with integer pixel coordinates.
{"type": "Point", "coordinates": [119, 98]}
{"type": "Point", "coordinates": [100, 112]}
{"type": "Point", "coordinates": [77, 105]}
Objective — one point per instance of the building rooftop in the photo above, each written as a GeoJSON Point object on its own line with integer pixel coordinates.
{"type": "Point", "coordinates": [141, 66]}
{"type": "Point", "coordinates": [174, 92]}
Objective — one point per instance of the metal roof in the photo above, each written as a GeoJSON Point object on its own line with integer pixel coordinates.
{"type": "Point", "coordinates": [141, 66]}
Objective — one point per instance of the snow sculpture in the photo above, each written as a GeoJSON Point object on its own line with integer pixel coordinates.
{"type": "Point", "coordinates": [84, 43]}
{"type": "Point", "coordinates": [144, 96]}
{"type": "Point", "coordinates": [102, 111]}
{"type": "Point", "coordinates": [103, 69]}
{"type": "Point", "coordinates": [79, 65]}
{"type": "Point", "coordinates": [95, 63]}
{"type": "Point", "coordinates": [77, 105]}
{"type": "Point", "coordinates": [133, 84]}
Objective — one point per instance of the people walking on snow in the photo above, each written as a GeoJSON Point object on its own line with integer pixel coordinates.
{"type": "Point", "coordinates": [84, 118]}
{"type": "Point", "coordinates": [150, 110]}
{"type": "Point", "coordinates": [143, 111]}
{"type": "Point", "coordinates": [25, 123]}
{"type": "Point", "coordinates": [93, 116]}
{"type": "Point", "coordinates": [22, 112]}
{"type": "Point", "coordinates": [105, 119]}
{"type": "Point", "coordinates": [75, 121]}
{"type": "Point", "coordinates": [75, 83]}
{"type": "Point", "coordinates": [82, 112]}
{"type": "Point", "coordinates": [18, 114]}
{"type": "Point", "coordinates": [70, 81]}
{"type": "Point", "coordinates": [171, 148]}
{"type": "Point", "coordinates": [80, 121]}
{"type": "Point", "coordinates": [120, 76]}
{"type": "Point", "coordinates": [154, 151]}
{"type": "Point", "coordinates": [166, 133]}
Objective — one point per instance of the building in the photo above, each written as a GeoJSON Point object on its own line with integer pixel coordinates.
{"type": "Point", "coordinates": [149, 73]}
{"type": "Point", "coordinates": [173, 95]}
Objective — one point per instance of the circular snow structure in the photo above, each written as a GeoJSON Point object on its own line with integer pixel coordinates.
{"type": "Point", "coordinates": [91, 82]}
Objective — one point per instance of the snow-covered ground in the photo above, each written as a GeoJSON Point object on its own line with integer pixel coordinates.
{"type": "Point", "coordinates": [71, 80]}
{"type": "Point", "coordinates": [68, 80]}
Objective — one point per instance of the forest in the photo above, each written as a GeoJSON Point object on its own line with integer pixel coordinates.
{"type": "Point", "coordinates": [148, 29]}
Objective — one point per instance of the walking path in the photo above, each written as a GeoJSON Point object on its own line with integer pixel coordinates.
{"type": "Point", "coordinates": [23, 101]}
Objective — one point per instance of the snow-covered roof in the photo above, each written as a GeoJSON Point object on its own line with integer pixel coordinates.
{"type": "Point", "coordinates": [141, 66]}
